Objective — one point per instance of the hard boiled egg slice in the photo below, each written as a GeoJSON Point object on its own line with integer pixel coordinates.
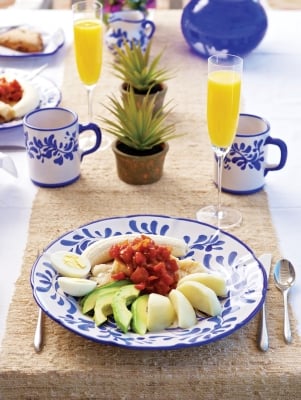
{"type": "Point", "coordinates": [76, 286]}
{"type": "Point", "coordinates": [70, 264]}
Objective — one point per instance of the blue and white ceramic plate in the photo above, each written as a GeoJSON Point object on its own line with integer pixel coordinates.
{"type": "Point", "coordinates": [50, 94]}
{"type": "Point", "coordinates": [246, 282]}
{"type": "Point", "coordinates": [11, 133]}
{"type": "Point", "coordinates": [53, 41]}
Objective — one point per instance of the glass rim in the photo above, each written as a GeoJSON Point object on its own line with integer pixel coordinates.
{"type": "Point", "coordinates": [94, 4]}
{"type": "Point", "coordinates": [219, 58]}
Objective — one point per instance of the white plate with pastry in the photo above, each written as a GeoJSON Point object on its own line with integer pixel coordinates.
{"type": "Point", "coordinates": [18, 96]}
{"type": "Point", "coordinates": [29, 41]}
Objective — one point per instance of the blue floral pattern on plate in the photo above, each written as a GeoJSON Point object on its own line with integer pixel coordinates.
{"type": "Point", "coordinates": [246, 281]}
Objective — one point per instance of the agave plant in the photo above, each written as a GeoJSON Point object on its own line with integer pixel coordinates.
{"type": "Point", "coordinates": [136, 125]}
{"type": "Point", "coordinates": [136, 69]}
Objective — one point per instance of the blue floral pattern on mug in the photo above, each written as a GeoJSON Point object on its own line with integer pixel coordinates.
{"type": "Point", "coordinates": [49, 148]}
{"type": "Point", "coordinates": [245, 156]}
{"type": "Point", "coordinates": [121, 36]}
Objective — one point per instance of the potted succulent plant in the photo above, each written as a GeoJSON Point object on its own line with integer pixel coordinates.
{"type": "Point", "coordinates": [138, 71]}
{"type": "Point", "coordinates": [141, 138]}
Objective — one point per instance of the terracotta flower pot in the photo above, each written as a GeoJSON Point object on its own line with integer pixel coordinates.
{"type": "Point", "coordinates": [159, 91]}
{"type": "Point", "coordinates": [139, 169]}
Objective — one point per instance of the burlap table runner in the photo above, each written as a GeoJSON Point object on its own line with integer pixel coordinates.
{"type": "Point", "coordinates": [71, 367]}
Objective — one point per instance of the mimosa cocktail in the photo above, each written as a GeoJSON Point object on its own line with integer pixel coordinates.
{"type": "Point", "coordinates": [88, 48]}
{"type": "Point", "coordinates": [223, 100]}
{"type": "Point", "coordinates": [223, 106]}
{"type": "Point", "coordinates": [88, 43]}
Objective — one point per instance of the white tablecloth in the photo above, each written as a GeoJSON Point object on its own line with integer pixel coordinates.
{"type": "Point", "coordinates": [271, 89]}
{"type": "Point", "coordinates": [17, 195]}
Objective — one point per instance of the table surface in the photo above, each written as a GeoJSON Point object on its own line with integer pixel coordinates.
{"type": "Point", "coordinates": [279, 103]}
{"type": "Point", "coordinates": [271, 76]}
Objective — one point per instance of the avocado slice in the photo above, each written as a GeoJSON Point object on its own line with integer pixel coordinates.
{"type": "Point", "coordinates": [121, 300]}
{"type": "Point", "coordinates": [139, 311]}
{"type": "Point", "coordinates": [88, 302]}
{"type": "Point", "coordinates": [103, 306]}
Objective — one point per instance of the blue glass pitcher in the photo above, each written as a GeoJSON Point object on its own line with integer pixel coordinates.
{"type": "Point", "coordinates": [223, 26]}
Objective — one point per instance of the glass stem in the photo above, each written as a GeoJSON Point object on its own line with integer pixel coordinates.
{"type": "Point", "coordinates": [90, 105]}
{"type": "Point", "coordinates": [220, 161]}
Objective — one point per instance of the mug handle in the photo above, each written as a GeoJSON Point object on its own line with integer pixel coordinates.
{"type": "Point", "coordinates": [90, 127]}
{"type": "Point", "coordinates": [147, 23]}
{"type": "Point", "coordinates": [283, 154]}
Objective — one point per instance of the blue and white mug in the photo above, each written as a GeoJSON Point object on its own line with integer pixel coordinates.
{"type": "Point", "coordinates": [246, 165]}
{"type": "Point", "coordinates": [53, 145]}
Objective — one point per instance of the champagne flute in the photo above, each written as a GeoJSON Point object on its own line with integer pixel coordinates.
{"type": "Point", "coordinates": [223, 100]}
{"type": "Point", "coordinates": [88, 47]}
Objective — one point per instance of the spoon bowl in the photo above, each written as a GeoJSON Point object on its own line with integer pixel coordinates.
{"type": "Point", "coordinates": [285, 276]}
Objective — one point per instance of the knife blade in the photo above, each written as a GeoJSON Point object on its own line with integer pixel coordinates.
{"type": "Point", "coordinates": [263, 338]}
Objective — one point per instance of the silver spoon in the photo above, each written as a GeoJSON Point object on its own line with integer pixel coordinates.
{"type": "Point", "coordinates": [284, 276]}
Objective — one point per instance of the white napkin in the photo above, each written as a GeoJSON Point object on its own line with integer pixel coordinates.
{"type": "Point", "coordinates": [8, 164]}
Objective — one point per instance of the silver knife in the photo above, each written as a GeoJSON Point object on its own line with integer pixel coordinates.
{"type": "Point", "coordinates": [38, 336]}
{"type": "Point", "coordinates": [263, 339]}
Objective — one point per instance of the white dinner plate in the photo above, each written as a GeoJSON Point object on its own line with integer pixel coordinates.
{"type": "Point", "coordinates": [50, 96]}
{"type": "Point", "coordinates": [245, 276]}
{"type": "Point", "coordinates": [53, 41]}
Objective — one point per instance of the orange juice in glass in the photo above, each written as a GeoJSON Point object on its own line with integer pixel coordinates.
{"type": "Point", "coordinates": [223, 106]}
{"type": "Point", "coordinates": [88, 46]}
{"type": "Point", "coordinates": [223, 100]}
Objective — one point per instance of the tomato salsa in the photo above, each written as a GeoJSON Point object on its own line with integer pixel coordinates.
{"type": "Point", "coordinates": [150, 266]}
{"type": "Point", "coordinates": [10, 92]}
